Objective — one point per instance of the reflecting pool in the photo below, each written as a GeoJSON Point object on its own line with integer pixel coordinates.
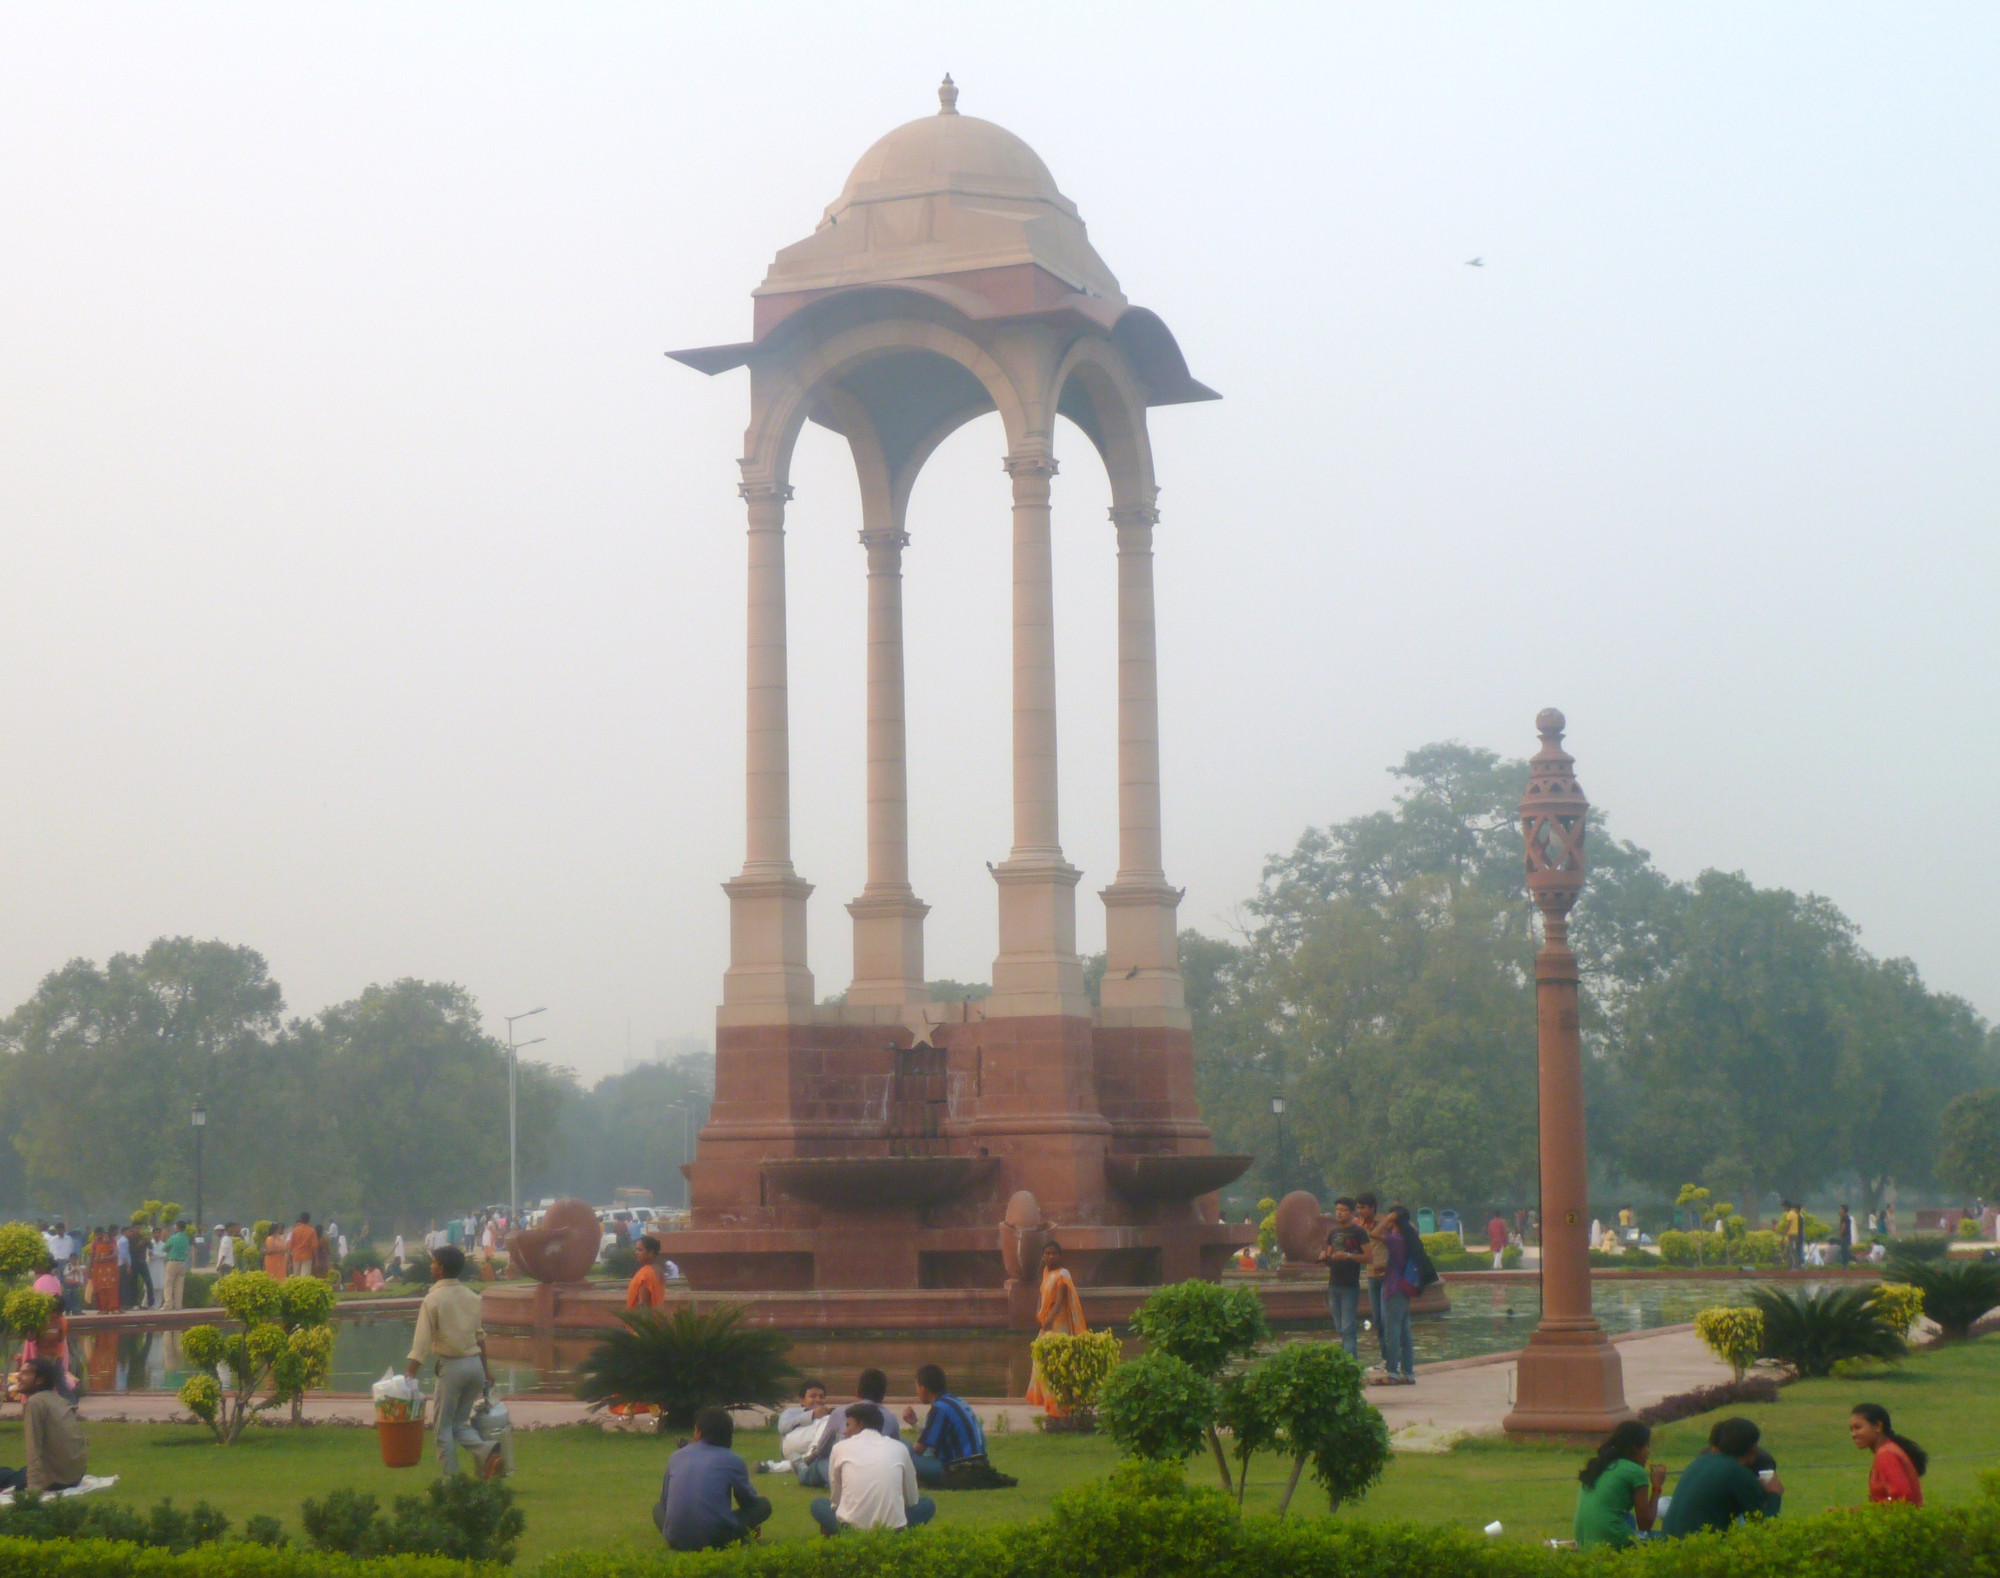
{"type": "Point", "coordinates": [1484, 1318]}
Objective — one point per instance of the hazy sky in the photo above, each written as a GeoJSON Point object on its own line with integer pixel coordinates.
{"type": "Point", "coordinates": [372, 584]}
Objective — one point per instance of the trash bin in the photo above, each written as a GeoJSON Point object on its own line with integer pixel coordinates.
{"type": "Point", "coordinates": [402, 1442]}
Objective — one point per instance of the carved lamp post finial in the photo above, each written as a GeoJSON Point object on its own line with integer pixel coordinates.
{"type": "Point", "coordinates": [947, 96]}
{"type": "Point", "coordinates": [1553, 816]}
{"type": "Point", "coordinates": [1568, 1381]}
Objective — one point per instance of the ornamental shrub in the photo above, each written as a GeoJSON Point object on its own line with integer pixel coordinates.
{"type": "Point", "coordinates": [459, 1517]}
{"type": "Point", "coordinates": [1968, 1227]}
{"type": "Point", "coordinates": [28, 1312]}
{"type": "Point", "coordinates": [1157, 1407]}
{"type": "Point", "coordinates": [1733, 1334]}
{"type": "Point", "coordinates": [1759, 1247]}
{"type": "Point", "coordinates": [1812, 1332]}
{"type": "Point", "coordinates": [1203, 1324]}
{"type": "Point", "coordinates": [1074, 1367]}
{"type": "Point", "coordinates": [1446, 1244]}
{"type": "Point", "coordinates": [22, 1249]}
{"type": "Point", "coordinates": [1955, 1294]}
{"type": "Point", "coordinates": [1898, 1304]}
{"type": "Point", "coordinates": [684, 1359]}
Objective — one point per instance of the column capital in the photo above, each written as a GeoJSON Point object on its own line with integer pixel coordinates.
{"type": "Point", "coordinates": [1134, 515]}
{"type": "Point", "coordinates": [1030, 461]}
{"type": "Point", "coordinates": [757, 489]}
{"type": "Point", "coordinates": [879, 538]}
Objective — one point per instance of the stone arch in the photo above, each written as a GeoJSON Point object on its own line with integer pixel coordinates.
{"type": "Point", "coordinates": [1096, 390]}
{"type": "Point", "coordinates": [782, 406]}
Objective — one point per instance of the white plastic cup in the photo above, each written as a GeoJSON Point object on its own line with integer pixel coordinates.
{"type": "Point", "coordinates": [1493, 1527]}
{"type": "Point", "coordinates": [1765, 1476]}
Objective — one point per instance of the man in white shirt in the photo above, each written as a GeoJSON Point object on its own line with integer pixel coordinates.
{"type": "Point", "coordinates": [225, 1249]}
{"type": "Point", "coordinates": [871, 1481]}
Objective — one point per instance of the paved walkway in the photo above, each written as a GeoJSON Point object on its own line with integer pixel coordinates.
{"type": "Point", "coordinates": [1451, 1400]}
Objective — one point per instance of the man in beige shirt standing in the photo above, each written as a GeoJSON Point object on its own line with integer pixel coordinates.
{"type": "Point", "coordinates": [449, 1331]}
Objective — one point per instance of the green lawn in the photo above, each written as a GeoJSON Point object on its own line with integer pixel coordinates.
{"type": "Point", "coordinates": [583, 1487]}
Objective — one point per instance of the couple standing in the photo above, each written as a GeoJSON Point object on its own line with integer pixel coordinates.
{"type": "Point", "coordinates": [1360, 1238]}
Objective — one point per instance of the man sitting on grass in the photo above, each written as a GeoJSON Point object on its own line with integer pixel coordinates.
{"type": "Point", "coordinates": [51, 1434]}
{"type": "Point", "coordinates": [871, 1386]}
{"type": "Point", "coordinates": [1723, 1484]}
{"type": "Point", "coordinates": [951, 1433]}
{"type": "Point", "coordinates": [872, 1483]}
{"type": "Point", "coordinates": [798, 1428]}
{"type": "Point", "coordinates": [705, 1497]}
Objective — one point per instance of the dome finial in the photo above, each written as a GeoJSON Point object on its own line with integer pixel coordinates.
{"type": "Point", "coordinates": [947, 96]}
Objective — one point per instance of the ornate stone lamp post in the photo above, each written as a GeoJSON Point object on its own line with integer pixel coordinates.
{"type": "Point", "coordinates": [1569, 1380]}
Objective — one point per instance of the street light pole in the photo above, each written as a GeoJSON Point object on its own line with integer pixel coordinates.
{"type": "Point", "coordinates": [513, 1116]}
{"type": "Point", "coordinates": [198, 1120]}
{"type": "Point", "coordinates": [1284, 1172]}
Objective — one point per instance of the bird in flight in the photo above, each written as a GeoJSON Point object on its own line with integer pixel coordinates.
{"type": "Point", "coordinates": [1475, 262]}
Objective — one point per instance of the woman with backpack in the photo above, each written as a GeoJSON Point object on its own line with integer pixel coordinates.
{"type": "Point", "coordinates": [1403, 1283]}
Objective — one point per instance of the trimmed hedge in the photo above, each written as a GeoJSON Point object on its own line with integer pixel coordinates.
{"type": "Point", "coordinates": [1150, 1527]}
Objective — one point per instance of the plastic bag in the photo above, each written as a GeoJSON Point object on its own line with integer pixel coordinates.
{"type": "Point", "coordinates": [397, 1397]}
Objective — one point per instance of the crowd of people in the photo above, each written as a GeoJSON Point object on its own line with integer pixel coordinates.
{"type": "Point", "coordinates": [1621, 1496]}
{"type": "Point", "coordinates": [855, 1451]}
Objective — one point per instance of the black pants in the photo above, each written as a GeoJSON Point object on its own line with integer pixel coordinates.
{"type": "Point", "coordinates": [17, 1479]}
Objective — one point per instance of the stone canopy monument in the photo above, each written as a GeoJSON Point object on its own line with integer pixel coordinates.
{"type": "Point", "coordinates": [881, 1142]}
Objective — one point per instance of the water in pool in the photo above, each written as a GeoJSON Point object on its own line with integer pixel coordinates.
{"type": "Point", "coordinates": [1484, 1318]}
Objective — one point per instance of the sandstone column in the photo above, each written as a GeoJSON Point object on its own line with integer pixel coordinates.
{"type": "Point", "coordinates": [1036, 971]}
{"type": "Point", "coordinates": [1142, 968]}
{"type": "Point", "coordinates": [888, 917]}
{"type": "Point", "coordinates": [1569, 1380]}
{"type": "Point", "coordinates": [767, 975]}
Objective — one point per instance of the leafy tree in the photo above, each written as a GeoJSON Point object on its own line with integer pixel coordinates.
{"type": "Point", "coordinates": [620, 1132]}
{"type": "Point", "coordinates": [107, 1051]}
{"type": "Point", "coordinates": [256, 1302]}
{"type": "Point", "coordinates": [684, 1360]}
{"type": "Point", "coordinates": [1305, 1402]}
{"type": "Point", "coordinates": [1968, 1157]}
{"type": "Point", "coordinates": [1206, 1327]}
{"type": "Point", "coordinates": [410, 1062]}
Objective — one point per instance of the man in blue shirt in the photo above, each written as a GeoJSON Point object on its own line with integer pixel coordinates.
{"type": "Point", "coordinates": [951, 1430]}
{"type": "Point", "coordinates": [705, 1499]}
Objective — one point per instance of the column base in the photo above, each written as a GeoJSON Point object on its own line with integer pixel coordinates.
{"type": "Point", "coordinates": [1037, 971]}
{"type": "Point", "coordinates": [888, 948]}
{"type": "Point", "coordinates": [767, 942]}
{"type": "Point", "coordinates": [1141, 946]}
{"type": "Point", "coordinates": [1568, 1382]}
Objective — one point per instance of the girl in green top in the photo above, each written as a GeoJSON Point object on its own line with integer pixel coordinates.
{"type": "Point", "coordinates": [1618, 1491]}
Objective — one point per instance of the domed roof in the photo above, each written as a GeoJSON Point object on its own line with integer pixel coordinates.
{"type": "Point", "coordinates": [950, 151]}
{"type": "Point", "coordinates": [944, 195]}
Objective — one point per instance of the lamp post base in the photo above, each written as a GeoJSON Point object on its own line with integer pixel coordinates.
{"type": "Point", "coordinates": [1568, 1383]}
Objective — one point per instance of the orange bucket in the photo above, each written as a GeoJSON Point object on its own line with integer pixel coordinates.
{"type": "Point", "coordinates": [402, 1442]}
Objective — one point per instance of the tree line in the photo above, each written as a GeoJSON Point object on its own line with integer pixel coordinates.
{"type": "Point", "coordinates": [390, 1108]}
{"type": "Point", "coordinates": [1382, 983]}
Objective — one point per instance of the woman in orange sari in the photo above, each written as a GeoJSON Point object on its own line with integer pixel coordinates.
{"type": "Point", "coordinates": [1061, 1311]}
{"type": "Point", "coordinates": [104, 1272]}
{"type": "Point", "coordinates": [276, 1254]}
